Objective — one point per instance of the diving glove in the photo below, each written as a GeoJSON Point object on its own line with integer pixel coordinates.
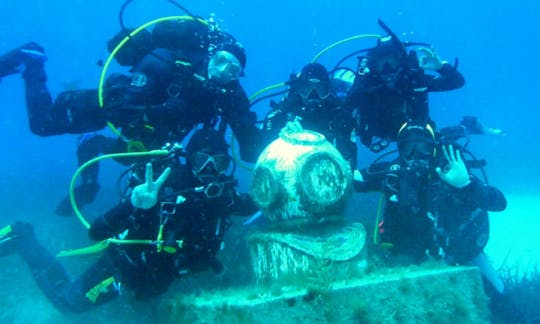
{"type": "Point", "coordinates": [144, 196]}
{"type": "Point", "coordinates": [292, 126]}
{"type": "Point", "coordinates": [11, 62]}
{"type": "Point", "coordinates": [455, 173]}
{"type": "Point", "coordinates": [429, 60]}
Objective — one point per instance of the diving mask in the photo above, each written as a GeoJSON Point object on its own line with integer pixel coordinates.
{"type": "Point", "coordinates": [224, 67]}
{"type": "Point", "coordinates": [313, 89]}
{"type": "Point", "coordinates": [200, 161]}
{"type": "Point", "coordinates": [416, 150]}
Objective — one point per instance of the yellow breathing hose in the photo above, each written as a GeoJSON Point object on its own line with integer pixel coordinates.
{"type": "Point", "coordinates": [100, 246]}
{"type": "Point", "coordinates": [266, 89]}
{"type": "Point", "coordinates": [97, 159]}
{"type": "Point", "coordinates": [343, 41]}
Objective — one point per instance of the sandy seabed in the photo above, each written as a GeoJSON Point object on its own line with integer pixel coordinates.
{"type": "Point", "coordinates": [515, 238]}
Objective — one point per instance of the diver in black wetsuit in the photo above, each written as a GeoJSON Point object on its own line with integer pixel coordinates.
{"type": "Point", "coordinates": [184, 215]}
{"type": "Point", "coordinates": [184, 73]}
{"type": "Point", "coordinates": [435, 207]}
{"type": "Point", "coordinates": [430, 193]}
{"type": "Point", "coordinates": [310, 103]}
{"type": "Point", "coordinates": [392, 86]}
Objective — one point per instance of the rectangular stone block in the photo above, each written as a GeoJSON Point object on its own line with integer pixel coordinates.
{"type": "Point", "coordinates": [402, 295]}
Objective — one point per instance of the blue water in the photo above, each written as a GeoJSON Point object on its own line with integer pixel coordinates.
{"type": "Point", "coordinates": [496, 43]}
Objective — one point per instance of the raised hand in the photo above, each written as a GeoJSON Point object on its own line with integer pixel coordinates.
{"type": "Point", "coordinates": [455, 173]}
{"type": "Point", "coordinates": [429, 60]}
{"type": "Point", "coordinates": [145, 195]}
{"type": "Point", "coordinates": [292, 126]}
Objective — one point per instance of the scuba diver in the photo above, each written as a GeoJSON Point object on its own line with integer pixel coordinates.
{"type": "Point", "coordinates": [429, 189]}
{"type": "Point", "coordinates": [392, 87]}
{"type": "Point", "coordinates": [311, 102]}
{"type": "Point", "coordinates": [183, 73]}
{"type": "Point", "coordinates": [433, 205]}
{"type": "Point", "coordinates": [167, 229]}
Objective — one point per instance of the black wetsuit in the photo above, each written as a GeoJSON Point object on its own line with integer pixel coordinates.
{"type": "Point", "coordinates": [424, 213]}
{"type": "Point", "coordinates": [192, 234]}
{"type": "Point", "coordinates": [383, 107]}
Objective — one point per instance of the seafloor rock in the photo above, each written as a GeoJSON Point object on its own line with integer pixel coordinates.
{"type": "Point", "coordinates": [402, 295]}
